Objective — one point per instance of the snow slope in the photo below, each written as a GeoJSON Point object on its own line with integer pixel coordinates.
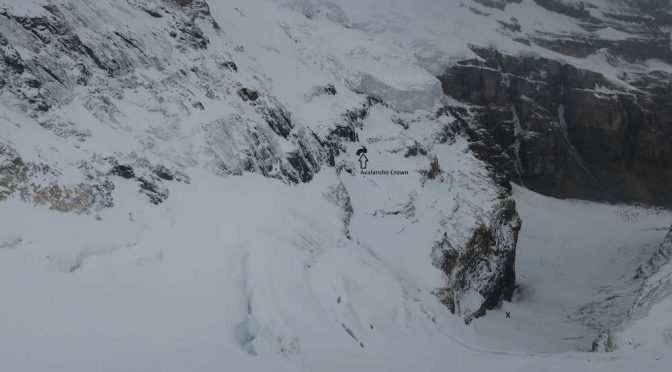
{"type": "Point", "coordinates": [247, 273]}
{"type": "Point", "coordinates": [235, 244]}
{"type": "Point", "coordinates": [576, 266]}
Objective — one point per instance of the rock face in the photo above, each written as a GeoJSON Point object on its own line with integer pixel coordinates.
{"type": "Point", "coordinates": [487, 265]}
{"type": "Point", "coordinates": [567, 132]}
{"type": "Point", "coordinates": [53, 56]}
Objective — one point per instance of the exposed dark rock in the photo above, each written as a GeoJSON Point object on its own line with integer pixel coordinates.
{"type": "Point", "coordinates": [606, 342]}
{"type": "Point", "coordinates": [476, 11]}
{"type": "Point", "coordinates": [65, 128]}
{"type": "Point", "coordinates": [321, 90]}
{"type": "Point", "coordinates": [328, 89]}
{"type": "Point", "coordinates": [347, 131]}
{"type": "Point", "coordinates": [33, 83]}
{"type": "Point", "coordinates": [128, 40]}
{"type": "Point", "coordinates": [633, 50]}
{"type": "Point", "coordinates": [164, 173]}
{"type": "Point", "coordinates": [279, 119]}
{"type": "Point", "coordinates": [12, 59]}
{"type": "Point", "coordinates": [563, 131]}
{"type": "Point", "coordinates": [52, 74]}
{"type": "Point", "coordinates": [576, 9]}
{"type": "Point", "coordinates": [230, 65]}
{"type": "Point", "coordinates": [167, 174]}
{"type": "Point", "coordinates": [124, 171]}
{"type": "Point", "coordinates": [153, 13]}
{"type": "Point", "coordinates": [646, 23]}
{"type": "Point", "coordinates": [658, 10]}
{"type": "Point", "coordinates": [89, 52]}
{"type": "Point", "coordinates": [156, 193]}
{"type": "Point", "coordinates": [357, 115]}
{"type": "Point", "coordinates": [192, 35]}
{"type": "Point", "coordinates": [247, 94]}
{"type": "Point", "coordinates": [260, 151]}
{"type": "Point", "coordinates": [273, 112]}
{"type": "Point", "coordinates": [339, 196]}
{"type": "Point", "coordinates": [486, 265]}
{"type": "Point", "coordinates": [16, 76]}
{"type": "Point", "coordinates": [415, 150]}
{"type": "Point", "coordinates": [433, 172]}
{"type": "Point", "coordinates": [498, 4]}
{"type": "Point", "coordinates": [303, 167]}
{"type": "Point", "coordinates": [407, 209]}
{"type": "Point", "coordinates": [149, 178]}
{"type": "Point", "coordinates": [513, 26]}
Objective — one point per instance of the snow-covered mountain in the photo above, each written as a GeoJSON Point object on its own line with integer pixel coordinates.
{"type": "Point", "coordinates": [325, 185]}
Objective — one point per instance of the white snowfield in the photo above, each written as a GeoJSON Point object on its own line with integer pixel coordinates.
{"type": "Point", "coordinates": [249, 273]}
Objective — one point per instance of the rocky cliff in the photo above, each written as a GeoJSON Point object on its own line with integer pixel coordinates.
{"type": "Point", "coordinates": [566, 127]}
{"type": "Point", "coordinates": [568, 132]}
{"type": "Point", "coordinates": [487, 265]}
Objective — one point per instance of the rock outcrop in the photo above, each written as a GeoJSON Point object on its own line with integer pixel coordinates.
{"type": "Point", "coordinates": [486, 265]}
